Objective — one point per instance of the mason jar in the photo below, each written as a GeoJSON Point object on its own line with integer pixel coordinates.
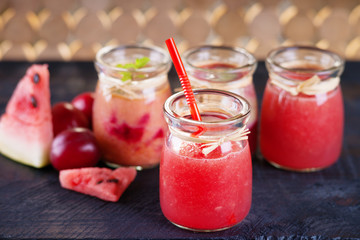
{"type": "Point", "coordinates": [302, 114]}
{"type": "Point", "coordinates": [225, 68]}
{"type": "Point", "coordinates": [206, 169]}
{"type": "Point", "coordinates": [128, 120]}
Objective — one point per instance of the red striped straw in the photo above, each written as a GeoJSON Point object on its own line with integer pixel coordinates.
{"type": "Point", "coordinates": [184, 80]}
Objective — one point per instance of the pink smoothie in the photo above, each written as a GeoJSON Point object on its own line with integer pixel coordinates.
{"type": "Point", "coordinates": [206, 192]}
{"type": "Point", "coordinates": [301, 132]}
{"type": "Point", "coordinates": [130, 131]}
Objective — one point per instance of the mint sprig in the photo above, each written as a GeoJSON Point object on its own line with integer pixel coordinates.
{"type": "Point", "coordinates": [139, 63]}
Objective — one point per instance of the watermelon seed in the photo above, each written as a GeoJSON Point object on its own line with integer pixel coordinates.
{"type": "Point", "coordinates": [112, 180]}
{"type": "Point", "coordinates": [36, 78]}
{"type": "Point", "coordinates": [33, 101]}
{"type": "Point", "coordinates": [100, 181]}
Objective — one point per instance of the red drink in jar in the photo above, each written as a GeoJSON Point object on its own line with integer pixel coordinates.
{"type": "Point", "coordinates": [302, 114]}
{"type": "Point", "coordinates": [206, 179]}
{"type": "Point", "coordinates": [225, 68]}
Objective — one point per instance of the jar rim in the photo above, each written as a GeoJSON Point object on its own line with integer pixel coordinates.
{"type": "Point", "coordinates": [231, 120]}
{"type": "Point", "coordinates": [251, 59]}
{"type": "Point", "coordinates": [165, 63]}
{"type": "Point", "coordinates": [338, 61]}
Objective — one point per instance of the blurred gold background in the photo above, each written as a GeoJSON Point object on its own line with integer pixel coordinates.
{"type": "Point", "coordinates": [75, 29]}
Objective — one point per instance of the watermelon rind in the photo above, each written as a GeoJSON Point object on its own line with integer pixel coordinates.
{"type": "Point", "coordinates": [37, 157]}
{"type": "Point", "coordinates": [30, 152]}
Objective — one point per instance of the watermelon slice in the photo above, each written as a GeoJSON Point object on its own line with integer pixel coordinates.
{"type": "Point", "coordinates": [26, 127]}
{"type": "Point", "coordinates": [102, 183]}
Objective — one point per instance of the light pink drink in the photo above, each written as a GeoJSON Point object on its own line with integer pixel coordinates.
{"type": "Point", "coordinates": [130, 131]}
{"type": "Point", "coordinates": [128, 118]}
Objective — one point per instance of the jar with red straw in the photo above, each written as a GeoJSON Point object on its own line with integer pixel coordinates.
{"type": "Point", "coordinates": [205, 169]}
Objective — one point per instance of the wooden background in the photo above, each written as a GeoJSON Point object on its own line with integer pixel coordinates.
{"type": "Point", "coordinates": [35, 30]}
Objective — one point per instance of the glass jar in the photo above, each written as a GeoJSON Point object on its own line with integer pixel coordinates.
{"type": "Point", "coordinates": [205, 169]}
{"type": "Point", "coordinates": [127, 115]}
{"type": "Point", "coordinates": [302, 114]}
{"type": "Point", "coordinates": [225, 68]}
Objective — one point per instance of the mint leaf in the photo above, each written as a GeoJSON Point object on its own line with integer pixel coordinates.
{"type": "Point", "coordinates": [126, 76]}
{"type": "Point", "coordinates": [141, 62]}
{"type": "Point", "coordinates": [140, 76]}
{"type": "Point", "coordinates": [126, 65]}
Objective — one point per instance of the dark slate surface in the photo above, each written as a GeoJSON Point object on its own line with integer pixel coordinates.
{"type": "Point", "coordinates": [285, 205]}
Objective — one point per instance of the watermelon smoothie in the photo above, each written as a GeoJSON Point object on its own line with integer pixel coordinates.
{"type": "Point", "coordinates": [127, 120]}
{"type": "Point", "coordinates": [225, 68]}
{"type": "Point", "coordinates": [205, 182]}
{"type": "Point", "coordinates": [303, 132]}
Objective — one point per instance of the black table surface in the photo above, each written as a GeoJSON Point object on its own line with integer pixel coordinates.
{"type": "Point", "coordinates": [319, 205]}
